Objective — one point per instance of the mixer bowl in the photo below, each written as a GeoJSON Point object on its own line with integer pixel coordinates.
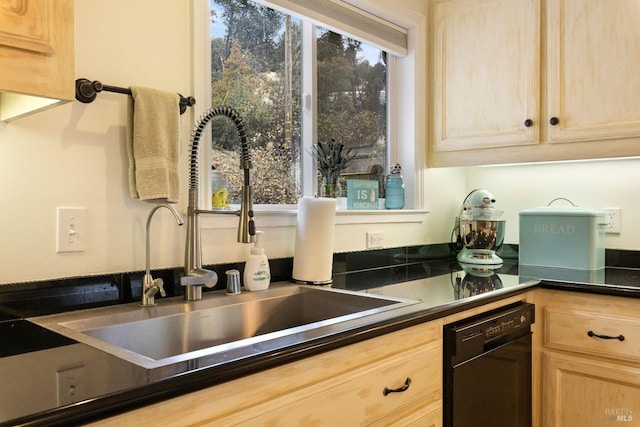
{"type": "Point", "coordinates": [482, 234]}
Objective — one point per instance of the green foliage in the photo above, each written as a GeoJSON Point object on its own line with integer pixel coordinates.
{"type": "Point", "coordinates": [248, 74]}
{"type": "Point", "coordinates": [332, 159]}
{"type": "Point", "coordinates": [349, 104]}
{"type": "Point", "coordinates": [254, 26]}
{"type": "Point", "coordinates": [271, 175]}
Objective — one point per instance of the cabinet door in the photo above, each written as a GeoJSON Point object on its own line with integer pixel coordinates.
{"type": "Point", "coordinates": [593, 68]}
{"type": "Point", "coordinates": [425, 416]}
{"type": "Point", "coordinates": [36, 55]}
{"type": "Point", "coordinates": [25, 26]}
{"type": "Point", "coordinates": [485, 73]}
{"type": "Point", "coordinates": [589, 393]}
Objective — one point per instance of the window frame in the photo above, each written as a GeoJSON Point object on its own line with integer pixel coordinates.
{"type": "Point", "coordinates": [404, 128]}
{"type": "Point", "coordinates": [309, 116]}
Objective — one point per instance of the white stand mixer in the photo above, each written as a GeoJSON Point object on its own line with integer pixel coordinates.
{"type": "Point", "coordinates": [479, 230]}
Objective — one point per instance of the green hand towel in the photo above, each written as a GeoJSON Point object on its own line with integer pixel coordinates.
{"type": "Point", "coordinates": [153, 145]}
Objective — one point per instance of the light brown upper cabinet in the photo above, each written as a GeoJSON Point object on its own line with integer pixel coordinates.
{"type": "Point", "coordinates": [36, 55]}
{"type": "Point", "coordinates": [529, 80]}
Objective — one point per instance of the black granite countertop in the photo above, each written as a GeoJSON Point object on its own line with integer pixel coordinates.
{"type": "Point", "coordinates": [20, 336]}
{"type": "Point", "coordinates": [28, 368]}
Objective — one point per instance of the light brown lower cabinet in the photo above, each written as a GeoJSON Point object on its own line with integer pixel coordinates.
{"type": "Point", "coordinates": [590, 360]}
{"type": "Point", "coordinates": [586, 373]}
{"type": "Point", "coordinates": [340, 387]}
{"type": "Point", "coordinates": [589, 393]}
{"type": "Point", "coordinates": [358, 397]}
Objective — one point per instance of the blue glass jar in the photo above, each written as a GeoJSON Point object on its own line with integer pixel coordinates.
{"type": "Point", "coordinates": [394, 198]}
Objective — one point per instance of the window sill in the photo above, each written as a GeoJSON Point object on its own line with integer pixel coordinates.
{"type": "Point", "coordinates": [286, 216]}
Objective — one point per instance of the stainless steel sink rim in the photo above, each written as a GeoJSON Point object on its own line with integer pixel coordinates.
{"type": "Point", "coordinates": [79, 325]}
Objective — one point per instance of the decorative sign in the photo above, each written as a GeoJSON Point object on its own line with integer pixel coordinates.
{"type": "Point", "coordinates": [362, 194]}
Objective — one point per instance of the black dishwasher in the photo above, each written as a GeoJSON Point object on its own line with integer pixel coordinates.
{"type": "Point", "coordinates": [487, 369]}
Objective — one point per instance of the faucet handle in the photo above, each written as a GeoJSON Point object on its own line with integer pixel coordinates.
{"type": "Point", "coordinates": [210, 278]}
{"type": "Point", "coordinates": [159, 283]}
{"type": "Point", "coordinates": [200, 277]}
{"type": "Point", "coordinates": [152, 286]}
{"type": "Point", "coordinates": [252, 224]}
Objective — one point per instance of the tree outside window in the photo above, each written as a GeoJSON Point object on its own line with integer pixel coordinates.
{"type": "Point", "coordinates": [255, 68]}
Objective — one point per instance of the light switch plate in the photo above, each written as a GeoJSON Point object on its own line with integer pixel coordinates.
{"type": "Point", "coordinates": [70, 231]}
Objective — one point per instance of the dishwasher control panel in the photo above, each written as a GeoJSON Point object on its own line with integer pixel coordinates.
{"type": "Point", "coordinates": [476, 334]}
{"type": "Point", "coordinates": [506, 324]}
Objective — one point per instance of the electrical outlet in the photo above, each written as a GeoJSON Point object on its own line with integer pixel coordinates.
{"type": "Point", "coordinates": [70, 230]}
{"type": "Point", "coordinates": [71, 385]}
{"type": "Point", "coordinates": [612, 219]}
{"type": "Point", "coordinates": [375, 239]}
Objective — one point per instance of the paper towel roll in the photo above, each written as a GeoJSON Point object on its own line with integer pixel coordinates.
{"type": "Point", "coordinates": [313, 255]}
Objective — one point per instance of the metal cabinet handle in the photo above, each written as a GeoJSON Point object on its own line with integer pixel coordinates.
{"type": "Point", "coordinates": [406, 385]}
{"type": "Point", "coordinates": [554, 121]}
{"type": "Point", "coordinates": [528, 123]}
{"type": "Point", "coordinates": [605, 337]}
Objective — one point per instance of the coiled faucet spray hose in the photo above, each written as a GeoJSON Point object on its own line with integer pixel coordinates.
{"type": "Point", "coordinates": [196, 134]}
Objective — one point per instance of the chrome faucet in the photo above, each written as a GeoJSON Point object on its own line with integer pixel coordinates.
{"type": "Point", "coordinates": [151, 286]}
{"type": "Point", "coordinates": [194, 275]}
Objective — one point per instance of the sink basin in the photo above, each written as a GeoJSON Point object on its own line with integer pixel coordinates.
{"type": "Point", "coordinates": [219, 326]}
{"type": "Point", "coordinates": [186, 332]}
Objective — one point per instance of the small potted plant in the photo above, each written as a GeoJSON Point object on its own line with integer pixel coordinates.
{"type": "Point", "coordinates": [332, 158]}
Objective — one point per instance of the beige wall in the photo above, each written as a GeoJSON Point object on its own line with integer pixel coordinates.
{"type": "Point", "coordinates": [74, 155]}
{"type": "Point", "coordinates": [590, 184]}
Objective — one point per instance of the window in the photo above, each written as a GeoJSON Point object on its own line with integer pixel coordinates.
{"type": "Point", "coordinates": [294, 83]}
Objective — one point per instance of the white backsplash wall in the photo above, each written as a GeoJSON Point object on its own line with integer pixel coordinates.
{"type": "Point", "coordinates": [588, 184]}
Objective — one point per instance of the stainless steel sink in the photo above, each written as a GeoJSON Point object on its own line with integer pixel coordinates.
{"type": "Point", "coordinates": [186, 332]}
{"type": "Point", "coordinates": [219, 327]}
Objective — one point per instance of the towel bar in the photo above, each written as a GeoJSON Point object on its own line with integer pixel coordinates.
{"type": "Point", "coordinates": [87, 90]}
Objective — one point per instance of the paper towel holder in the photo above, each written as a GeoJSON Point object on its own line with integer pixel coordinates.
{"type": "Point", "coordinates": [313, 255]}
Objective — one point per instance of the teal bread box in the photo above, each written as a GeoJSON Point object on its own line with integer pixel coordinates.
{"type": "Point", "coordinates": [563, 237]}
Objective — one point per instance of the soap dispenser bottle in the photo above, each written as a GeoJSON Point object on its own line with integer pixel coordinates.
{"type": "Point", "coordinates": [257, 274]}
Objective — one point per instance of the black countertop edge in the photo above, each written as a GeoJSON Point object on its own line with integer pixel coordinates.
{"type": "Point", "coordinates": [600, 289]}
{"type": "Point", "coordinates": [128, 400]}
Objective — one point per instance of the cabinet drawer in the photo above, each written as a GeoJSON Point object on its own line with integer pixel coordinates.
{"type": "Point", "coordinates": [415, 416]}
{"type": "Point", "coordinates": [583, 331]}
{"type": "Point", "coordinates": [357, 398]}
